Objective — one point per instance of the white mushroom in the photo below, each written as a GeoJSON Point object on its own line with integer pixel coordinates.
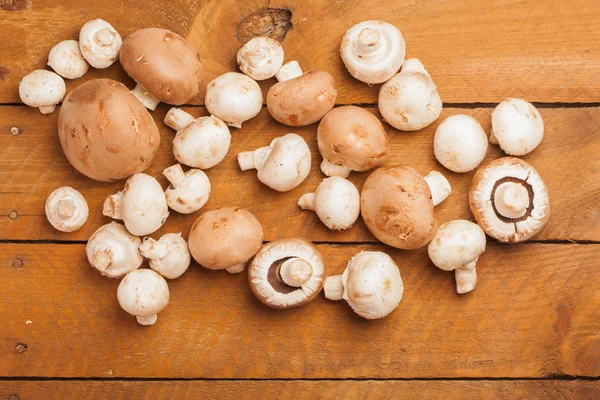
{"type": "Point", "coordinates": [99, 43]}
{"type": "Point", "coordinates": [169, 256]}
{"type": "Point", "coordinates": [371, 284]}
{"type": "Point", "coordinates": [336, 202]}
{"type": "Point", "coordinates": [260, 58]}
{"type": "Point", "coordinates": [143, 294]}
{"type": "Point", "coordinates": [373, 51]}
{"type": "Point", "coordinates": [113, 251]}
{"type": "Point", "coordinates": [234, 98]}
{"type": "Point", "coordinates": [410, 100]}
{"type": "Point", "coordinates": [283, 165]}
{"type": "Point", "coordinates": [460, 143]}
{"type": "Point", "coordinates": [517, 127]}
{"type": "Point", "coordinates": [456, 247]}
{"type": "Point", "coordinates": [66, 209]}
{"type": "Point", "coordinates": [141, 205]}
{"type": "Point", "coordinates": [42, 89]}
{"type": "Point", "coordinates": [66, 59]}
{"type": "Point", "coordinates": [189, 191]}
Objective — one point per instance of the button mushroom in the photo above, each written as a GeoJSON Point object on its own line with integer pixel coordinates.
{"type": "Point", "coordinates": [169, 255]}
{"type": "Point", "coordinates": [234, 98]}
{"type": "Point", "coordinates": [143, 294]}
{"type": "Point", "coordinates": [260, 58]}
{"type": "Point", "coordinates": [283, 165]}
{"type": "Point", "coordinates": [397, 205]}
{"type": "Point", "coordinates": [509, 200]}
{"type": "Point", "coordinates": [42, 89]}
{"type": "Point", "coordinates": [99, 43]}
{"type": "Point", "coordinates": [460, 143]}
{"type": "Point", "coordinates": [371, 284]}
{"type": "Point", "coordinates": [351, 139]}
{"type": "Point", "coordinates": [410, 100]}
{"type": "Point", "coordinates": [189, 191]}
{"type": "Point", "coordinates": [373, 51]}
{"type": "Point", "coordinates": [517, 127]}
{"type": "Point", "coordinates": [336, 202]}
{"type": "Point", "coordinates": [105, 132]}
{"type": "Point", "coordinates": [165, 67]}
{"type": "Point", "coordinates": [225, 239]}
{"type": "Point", "coordinates": [66, 209]}
{"type": "Point", "coordinates": [287, 273]}
{"type": "Point", "coordinates": [301, 99]}
{"type": "Point", "coordinates": [66, 59]}
{"type": "Point", "coordinates": [113, 251]}
{"type": "Point", "coordinates": [457, 246]}
{"type": "Point", "coordinates": [141, 205]}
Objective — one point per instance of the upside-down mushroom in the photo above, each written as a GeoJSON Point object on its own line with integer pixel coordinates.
{"type": "Point", "coordinates": [66, 209]}
{"type": "Point", "coordinates": [113, 251]}
{"type": "Point", "coordinates": [99, 43]}
{"type": "Point", "coordinates": [260, 58]}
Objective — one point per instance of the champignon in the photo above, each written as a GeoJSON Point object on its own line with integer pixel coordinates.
{"type": "Point", "coordinates": [66, 59]}
{"type": "Point", "coordinates": [42, 89]}
{"type": "Point", "coordinates": [169, 255]}
{"type": "Point", "coordinates": [260, 58]}
{"type": "Point", "coordinates": [189, 191]}
{"type": "Point", "coordinates": [143, 294]}
{"type": "Point", "coordinates": [66, 209]}
{"type": "Point", "coordinates": [234, 98]}
{"type": "Point", "coordinates": [113, 251]}
{"type": "Point", "coordinates": [99, 43]}
{"type": "Point", "coordinates": [460, 143]}
{"type": "Point", "coordinates": [517, 127]}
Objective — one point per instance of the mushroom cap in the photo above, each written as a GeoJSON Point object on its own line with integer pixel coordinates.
{"type": "Point", "coordinates": [121, 248]}
{"type": "Point", "coordinates": [143, 293]}
{"type": "Point", "coordinates": [486, 181]}
{"type": "Point", "coordinates": [397, 208]}
{"type": "Point", "coordinates": [302, 100]}
{"type": "Point", "coordinates": [456, 245]}
{"type": "Point", "coordinates": [66, 209]}
{"type": "Point", "coordinates": [203, 143]}
{"type": "Point", "coordinates": [460, 144]}
{"type": "Point", "coordinates": [410, 100]}
{"type": "Point", "coordinates": [518, 126]}
{"type": "Point", "coordinates": [381, 60]}
{"type": "Point", "coordinates": [224, 238]}
{"type": "Point", "coordinates": [266, 283]}
{"type": "Point", "coordinates": [352, 137]}
{"type": "Point", "coordinates": [92, 38]}
{"type": "Point", "coordinates": [234, 98]}
{"type": "Point", "coordinates": [66, 59]}
{"type": "Point", "coordinates": [164, 63]}
{"type": "Point", "coordinates": [260, 58]}
{"type": "Point", "coordinates": [175, 261]}
{"type": "Point", "coordinates": [42, 88]}
{"type": "Point", "coordinates": [337, 203]}
{"type": "Point", "coordinates": [191, 195]}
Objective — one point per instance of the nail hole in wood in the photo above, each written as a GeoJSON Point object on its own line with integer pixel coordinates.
{"type": "Point", "coordinates": [17, 263]}
{"type": "Point", "coordinates": [21, 348]}
{"type": "Point", "coordinates": [15, 130]}
{"type": "Point", "coordinates": [13, 215]}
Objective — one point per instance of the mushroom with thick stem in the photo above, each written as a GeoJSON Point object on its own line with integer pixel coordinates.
{"type": "Point", "coordinates": [517, 127]}
{"type": "Point", "coordinates": [66, 209]}
{"type": "Point", "coordinates": [283, 165]}
{"type": "Point", "coordinates": [336, 202]}
{"type": "Point", "coordinates": [66, 59]}
{"type": "Point", "coordinates": [233, 97]}
{"type": "Point", "coordinates": [42, 89]}
{"type": "Point", "coordinates": [260, 58]}
{"type": "Point", "coordinates": [287, 273]}
{"type": "Point", "coordinates": [371, 284]}
{"type": "Point", "coordinates": [509, 200]}
{"type": "Point", "coordinates": [99, 43]}
{"type": "Point", "coordinates": [188, 191]}
{"type": "Point", "coordinates": [143, 294]}
{"type": "Point", "coordinates": [169, 255]}
{"type": "Point", "coordinates": [460, 144]}
{"type": "Point", "coordinates": [113, 251]}
{"type": "Point", "coordinates": [457, 246]}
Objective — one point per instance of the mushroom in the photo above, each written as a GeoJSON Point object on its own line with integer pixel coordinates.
{"type": "Point", "coordinates": [351, 139]}
{"type": "Point", "coordinates": [234, 98]}
{"type": "Point", "coordinates": [141, 205]}
{"type": "Point", "coordinates": [282, 165]}
{"type": "Point", "coordinates": [371, 284]}
{"type": "Point", "coordinates": [113, 251]}
{"type": "Point", "coordinates": [99, 43]}
{"type": "Point", "coordinates": [397, 205]}
{"type": "Point", "coordinates": [373, 51]}
{"type": "Point", "coordinates": [460, 143]}
{"type": "Point", "coordinates": [260, 58]}
{"type": "Point", "coordinates": [105, 132]}
{"type": "Point", "coordinates": [169, 255]}
{"type": "Point", "coordinates": [189, 191]}
{"type": "Point", "coordinates": [143, 294]}
{"type": "Point", "coordinates": [66, 209]}
{"type": "Point", "coordinates": [66, 59]}
{"type": "Point", "coordinates": [336, 202]}
{"type": "Point", "coordinates": [42, 89]}
{"type": "Point", "coordinates": [225, 239]}
{"type": "Point", "coordinates": [200, 143]}
{"type": "Point", "coordinates": [456, 247]}
{"type": "Point", "coordinates": [164, 65]}
{"type": "Point", "coordinates": [410, 100]}
{"type": "Point", "coordinates": [517, 127]}
{"type": "Point", "coordinates": [287, 273]}
{"type": "Point", "coordinates": [509, 200]}
{"type": "Point", "coordinates": [301, 99]}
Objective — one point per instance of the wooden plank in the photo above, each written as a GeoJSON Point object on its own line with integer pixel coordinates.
{"type": "Point", "coordinates": [32, 165]}
{"type": "Point", "coordinates": [533, 314]}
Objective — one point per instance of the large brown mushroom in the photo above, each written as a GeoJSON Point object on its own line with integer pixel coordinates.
{"type": "Point", "coordinates": [105, 132]}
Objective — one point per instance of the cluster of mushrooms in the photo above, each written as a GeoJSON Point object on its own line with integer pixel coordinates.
{"type": "Point", "coordinates": [107, 134]}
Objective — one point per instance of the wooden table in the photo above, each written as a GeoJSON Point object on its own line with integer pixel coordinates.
{"type": "Point", "coordinates": [531, 329]}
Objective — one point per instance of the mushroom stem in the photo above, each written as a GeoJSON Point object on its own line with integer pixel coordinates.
{"type": "Point", "coordinates": [47, 109]}
{"type": "Point", "coordinates": [175, 175]}
{"type": "Point", "coordinates": [153, 249]}
{"type": "Point", "coordinates": [511, 199]}
{"type": "Point", "coordinates": [334, 287]}
{"type": "Point", "coordinates": [369, 42]}
{"type": "Point", "coordinates": [105, 255]}
{"type": "Point", "coordinates": [105, 37]}
{"type": "Point", "coordinates": [289, 71]}
{"type": "Point", "coordinates": [147, 99]}
{"type": "Point", "coordinates": [466, 278]}
{"type": "Point", "coordinates": [147, 320]}
{"type": "Point", "coordinates": [493, 139]}
{"type": "Point", "coordinates": [236, 269]}
{"type": "Point", "coordinates": [112, 206]}
{"type": "Point", "coordinates": [439, 186]}
{"type": "Point", "coordinates": [253, 159]}
{"type": "Point", "coordinates": [178, 119]}
{"type": "Point", "coordinates": [331, 169]}
{"type": "Point", "coordinates": [307, 201]}
{"type": "Point", "coordinates": [66, 209]}
{"type": "Point", "coordinates": [295, 272]}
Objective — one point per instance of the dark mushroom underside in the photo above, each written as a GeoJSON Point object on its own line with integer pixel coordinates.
{"type": "Point", "coordinates": [274, 277]}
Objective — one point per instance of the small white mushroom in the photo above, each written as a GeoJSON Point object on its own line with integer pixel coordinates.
{"type": "Point", "coordinates": [260, 58]}
{"type": "Point", "coordinates": [66, 209]}
{"type": "Point", "coordinates": [336, 202]}
{"type": "Point", "coordinates": [189, 191]}
{"type": "Point", "coordinates": [66, 59]}
{"type": "Point", "coordinates": [456, 247]}
{"type": "Point", "coordinates": [517, 127]}
{"type": "Point", "coordinates": [234, 98]}
{"type": "Point", "coordinates": [42, 89]}
{"type": "Point", "coordinates": [169, 256]}
{"type": "Point", "coordinates": [283, 165]}
{"type": "Point", "coordinates": [113, 251]}
{"type": "Point", "coordinates": [141, 205]}
{"type": "Point", "coordinates": [99, 43]}
{"type": "Point", "coordinates": [460, 143]}
{"type": "Point", "coordinates": [143, 294]}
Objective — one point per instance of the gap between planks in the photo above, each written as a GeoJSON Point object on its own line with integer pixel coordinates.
{"type": "Point", "coordinates": [561, 378]}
